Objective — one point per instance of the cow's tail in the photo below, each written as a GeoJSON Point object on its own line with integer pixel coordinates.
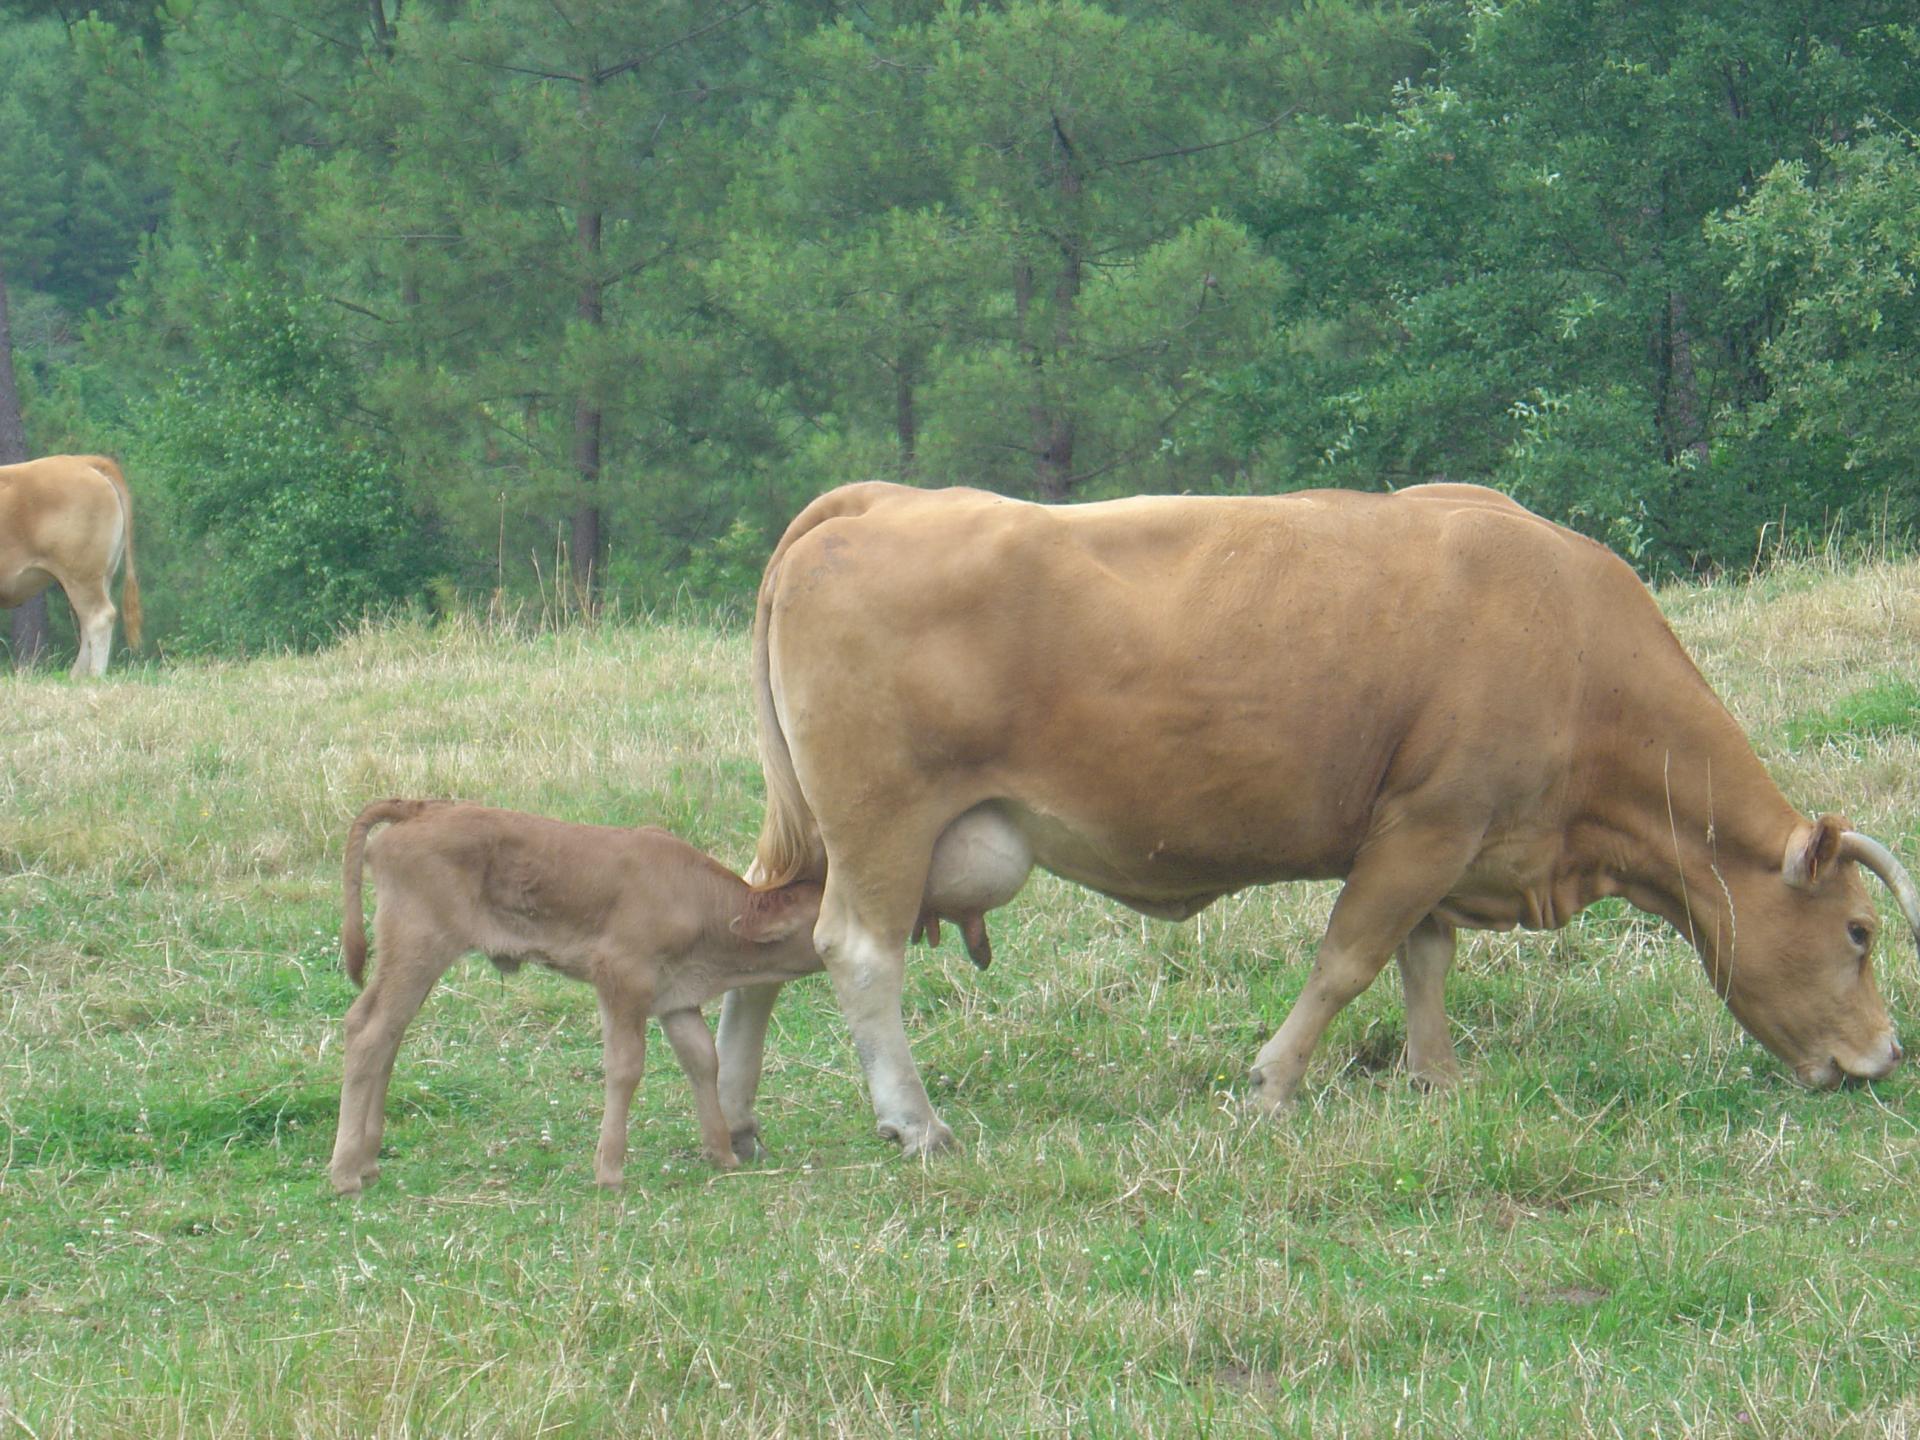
{"type": "Point", "coordinates": [789, 839]}
{"type": "Point", "coordinates": [130, 615]}
{"type": "Point", "coordinates": [790, 847]}
{"type": "Point", "coordinates": [353, 915]}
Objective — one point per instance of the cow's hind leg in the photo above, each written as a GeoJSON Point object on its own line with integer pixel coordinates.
{"type": "Point", "coordinates": [1398, 878]}
{"type": "Point", "coordinates": [93, 616]}
{"type": "Point", "coordinates": [1425, 957]}
{"type": "Point", "coordinates": [742, 1043]}
{"type": "Point", "coordinates": [409, 961]}
{"type": "Point", "coordinates": [862, 938]}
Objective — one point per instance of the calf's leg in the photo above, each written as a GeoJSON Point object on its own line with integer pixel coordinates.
{"type": "Point", "coordinates": [693, 1046]}
{"type": "Point", "coordinates": [623, 1030]}
{"type": "Point", "coordinates": [409, 962]}
{"type": "Point", "coordinates": [742, 1044]}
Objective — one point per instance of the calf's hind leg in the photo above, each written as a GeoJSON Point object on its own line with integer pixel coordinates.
{"type": "Point", "coordinates": [623, 1038]}
{"type": "Point", "coordinates": [410, 960]}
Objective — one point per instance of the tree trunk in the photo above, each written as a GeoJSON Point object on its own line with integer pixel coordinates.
{"type": "Point", "coordinates": [28, 621]}
{"type": "Point", "coordinates": [382, 29]}
{"type": "Point", "coordinates": [586, 410]}
{"type": "Point", "coordinates": [1054, 435]}
{"type": "Point", "coordinates": [906, 421]}
{"type": "Point", "coordinates": [1686, 431]}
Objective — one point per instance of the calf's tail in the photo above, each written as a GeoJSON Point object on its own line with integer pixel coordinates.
{"type": "Point", "coordinates": [353, 915]}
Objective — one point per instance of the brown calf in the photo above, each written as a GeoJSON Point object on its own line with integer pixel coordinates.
{"type": "Point", "coordinates": [654, 925]}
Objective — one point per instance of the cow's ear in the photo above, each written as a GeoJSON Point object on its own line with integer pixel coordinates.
{"type": "Point", "coordinates": [1811, 851]}
{"type": "Point", "coordinates": [771, 915]}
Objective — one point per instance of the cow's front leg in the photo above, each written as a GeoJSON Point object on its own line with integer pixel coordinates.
{"type": "Point", "coordinates": [868, 969]}
{"type": "Point", "coordinates": [1395, 882]}
{"type": "Point", "coordinates": [1425, 958]}
{"type": "Point", "coordinates": [742, 1042]}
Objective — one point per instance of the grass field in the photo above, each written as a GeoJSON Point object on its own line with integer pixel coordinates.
{"type": "Point", "coordinates": [1627, 1222]}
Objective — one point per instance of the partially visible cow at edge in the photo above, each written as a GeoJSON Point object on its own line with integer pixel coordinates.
{"type": "Point", "coordinates": [69, 518]}
{"type": "Point", "coordinates": [1476, 717]}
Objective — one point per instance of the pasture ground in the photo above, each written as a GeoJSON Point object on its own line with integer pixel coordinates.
{"type": "Point", "coordinates": [1627, 1222]}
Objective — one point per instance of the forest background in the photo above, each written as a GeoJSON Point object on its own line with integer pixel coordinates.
{"type": "Point", "coordinates": [432, 304]}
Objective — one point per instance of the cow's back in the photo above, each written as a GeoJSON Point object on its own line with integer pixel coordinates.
{"type": "Point", "coordinates": [1176, 693]}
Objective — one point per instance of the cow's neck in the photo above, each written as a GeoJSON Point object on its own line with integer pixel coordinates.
{"type": "Point", "coordinates": [1690, 817]}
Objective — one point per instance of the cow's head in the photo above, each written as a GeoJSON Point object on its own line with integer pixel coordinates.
{"type": "Point", "coordinates": [1799, 974]}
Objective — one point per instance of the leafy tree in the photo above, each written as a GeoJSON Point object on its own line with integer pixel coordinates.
{"type": "Point", "coordinates": [513, 233]}
{"type": "Point", "coordinates": [303, 527]}
{"type": "Point", "coordinates": [1006, 238]}
{"type": "Point", "coordinates": [1508, 276]}
{"type": "Point", "coordinates": [1825, 255]}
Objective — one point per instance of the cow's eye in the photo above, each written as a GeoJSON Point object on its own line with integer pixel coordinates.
{"type": "Point", "coordinates": [1859, 934]}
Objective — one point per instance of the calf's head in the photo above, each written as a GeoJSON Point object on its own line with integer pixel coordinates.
{"type": "Point", "coordinates": [1799, 971]}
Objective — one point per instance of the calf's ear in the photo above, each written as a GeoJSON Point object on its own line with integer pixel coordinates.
{"type": "Point", "coordinates": [1812, 851]}
{"type": "Point", "coordinates": [771, 915]}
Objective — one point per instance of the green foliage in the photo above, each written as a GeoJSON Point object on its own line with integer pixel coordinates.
{"type": "Point", "coordinates": [669, 271]}
{"type": "Point", "coordinates": [303, 526]}
{"type": "Point", "coordinates": [1509, 278]}
{"type": "Point", "coordinates": [72, 205]}
{"type": "Point", "coordinates": [1824, 254]}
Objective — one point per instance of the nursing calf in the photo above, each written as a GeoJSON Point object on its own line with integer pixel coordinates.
{"type": "Point", "coordinates": [654, 925]}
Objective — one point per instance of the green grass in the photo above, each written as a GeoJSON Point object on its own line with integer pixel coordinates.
{"type": "Point", "coordinates": [1626, 1222]}
{"type": "Point", "coordinates": [1891, 707]}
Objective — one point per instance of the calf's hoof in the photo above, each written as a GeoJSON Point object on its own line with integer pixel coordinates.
{"type": "Point", "coordinates": [723, 1159]}
{"type": "Point", "coordinates": [351, 1182]}
{"type": "Point", "coordinates": [746, 1143]}
{"type": "Point", "coordinates": [918, 1140]}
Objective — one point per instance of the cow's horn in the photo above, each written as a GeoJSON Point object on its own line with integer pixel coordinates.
{"type": "Point", "coordinates": [1877, 858]}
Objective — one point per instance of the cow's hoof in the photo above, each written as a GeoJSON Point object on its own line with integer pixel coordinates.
{"type": "Point", "coordinates": [722, 1159]}
{"type": "Point", "coordinates": [1267, 1095]}
{"type": "Point", "coordinates": [1434, 1078]}
{"type": "Point", "coordinates": [918, 1140]}
{"type": "Point", "coordinates": [746, 1144]}
{"type": "Point", "coordinates": [351, 1182]}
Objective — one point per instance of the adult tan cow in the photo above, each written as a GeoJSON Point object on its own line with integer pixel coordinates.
{"type": "Point", "coordinates": [69, 518]}
{"type": "Point", "coordinates": [1476, 717]}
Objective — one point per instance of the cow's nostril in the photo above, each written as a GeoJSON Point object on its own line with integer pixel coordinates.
{"type": "Point", "coordinates": [1898, 1053]}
